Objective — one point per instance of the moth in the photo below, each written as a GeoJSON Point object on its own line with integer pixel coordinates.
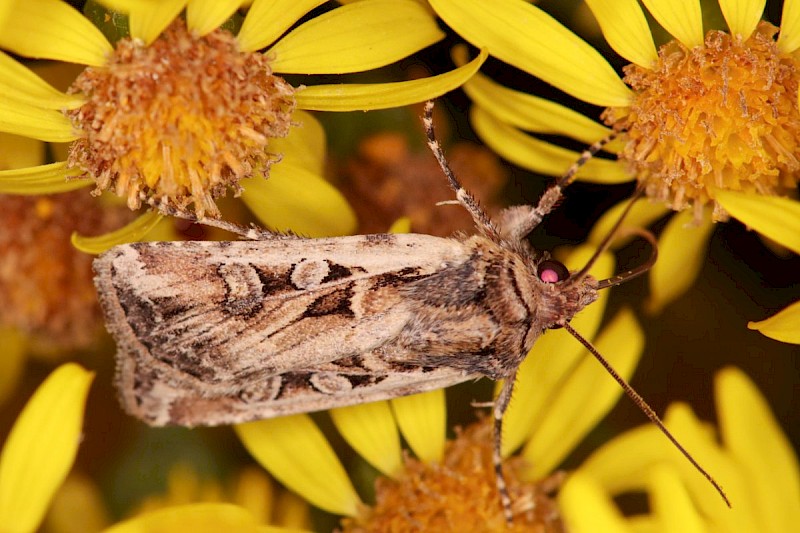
{"type": "Point", "coordinates": [213, 333]}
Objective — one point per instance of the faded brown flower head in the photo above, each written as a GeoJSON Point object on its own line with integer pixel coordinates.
{"type": "Point", "coordinates": [46, 286]}
{"type": "Point", "coordinates": [458, 495]}
{"type": "Point", "coordinates": [180, 121]}
{"type": "Point", "coordinates": [720, 115]}
{"type": "Point", "coordinates": [387, 181]}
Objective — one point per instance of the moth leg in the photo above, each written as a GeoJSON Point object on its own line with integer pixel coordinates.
{"type": "Point", "coordinates": [463, 196]}
{"type": "Point", "coordinates": [518, 221]}
{"type": "Point", "coordinates": [500, 406]}
{"type": "Point", "coordinates": [252, 232]}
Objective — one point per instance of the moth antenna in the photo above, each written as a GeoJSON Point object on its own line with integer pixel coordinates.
{"type": "Point", "coordinates": [647, 410]}
{"type": "Point", "coordinates": [606, 242]}
{"type": "Point", "coordinates": [253, 233]}
{"type": "Point", "coordinates": [634, 272]}
{"type": "Point", "coordinates": [463, 196]}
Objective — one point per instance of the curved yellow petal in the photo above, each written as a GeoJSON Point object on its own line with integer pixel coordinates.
{"type": "Point", "coordinates": [773, 216]}
{"type": "Point", "coordinates": [528, 112]}
{"type": "Point", "coordinates": [702, 445]}
{"type": "Point", "coordinates": [204, 16]}
{"type": "Point", "coordinates": [41, 447]}
{"type": "Point", "coordinates": [77, 507]}
{"type": "Point", "coordinates": [147, 23]}
{"type": "Point", "coordinates": [681, 255]}
{"type": "Point", "coordinates": [371, 431]}
{"type": "Point", "coordinates": [789, 38]}
{"type": "Point", "coordinates": [52, 29]}
{"type": "Point", "coordinates": [681, 18]}
{"type": "Point", "coordinates": [371, 96]}
{"type": "Point", "coordinates": [18, 152]}
{"type": "Point", "coordinates": [21, 84]}
{"type": "Point", "coordinates": [32, 121]}
{"type": "Point", "coordinates": [297, 454]}
{"type": "Point", "coordinates": [670, 501]}
{"type": "Point", "coordinates": [194, 517]}
{"type": "Point", "coordinates": [269, 19]}
{"type": "Point", "coordinates": [539, 156]}
{"type": "Point", "coordinates": [132, 232]}
{"type": "Point", "coordinates": [585, 396]}
{"type": "Point", "coordinates": [553, 357]}
{"type": "Point", "coordinates": [742, 16]}
{"type": "Point", "coordinates": [526, 37]}
{"type": "Point", "coordinates": [422, 419]}
{"type": "Point", "coordinates": [12, 360]}
{"type": "Point", "coordinates": [642, 214]}
{"type": "Point", "coordinates": [44, 179]}
{"type": "Point", "coordinates": [401, 225]}
{"type": "Point", "coordinates": [305, 145]}
{"type": "Point", "coordinates": [783, 326]}
{"type": "Point", "coordinates": [756, 440]}
{"type": "Point", "coordinates": [625, 28]}
{"type": "Point", "coordinates": [586, 508]}
{"type": "Point", "coordinates": [294, 199]}
{"type": "Point", "coordinates": [356, 37]}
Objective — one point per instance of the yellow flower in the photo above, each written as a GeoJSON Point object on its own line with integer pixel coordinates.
{"type": "Point", "coordinates": [179, 113]}
{"type": "Point", "coordinates": [708, 125]}
{"type": "Point", "coordinates": [558, 398]}
{"type": "Point", "coordinates": [752, 458]}
{"type": "Point", "coordinates": [41, 448]}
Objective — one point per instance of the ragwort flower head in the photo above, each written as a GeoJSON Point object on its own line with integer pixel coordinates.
{"type": "Point", "coordinates": [708, 124]}
{"type": "Point", "coordinates": [180, 112]}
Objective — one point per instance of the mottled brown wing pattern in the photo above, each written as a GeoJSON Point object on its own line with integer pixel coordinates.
{"type": "Point", "coordinates": [227, 321]}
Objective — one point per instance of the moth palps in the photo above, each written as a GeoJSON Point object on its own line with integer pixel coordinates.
{"type": "Point", "coordinates": [213, 333]}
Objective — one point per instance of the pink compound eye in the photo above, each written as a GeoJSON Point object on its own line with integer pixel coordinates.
{"type": "Point", "coordinates": [552, 271]}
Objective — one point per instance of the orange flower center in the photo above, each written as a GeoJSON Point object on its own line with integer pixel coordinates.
{"type": "Point", "coordinates": [723, 115]}
{"type": "Point", "coordinates": [179, 121]}
{"type": "Point", "coordinates": [458, 495]}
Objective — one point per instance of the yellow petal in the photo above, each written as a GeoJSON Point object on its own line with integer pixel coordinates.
{"type": "Point", "coordinates": [526, 37]}
{"type": "Point", "coordinates": [44, 179]}
{"type": "Point", "coordinates": [401, 225]}
{"type": "Point", "coordinates": [77, 507]}
{"type": "Point", "coordinates": [586, 508]}
{"type": "Point", "coordinates": [43, 124]}
{"type": "Point", "coordinates": [539, 156]}
{"type": "Point", "coordinates": [422, 419]}
{"type": "Point", "coordinates": [268, 20]}
{"type": "Point", "coordinates": [773, 216]}
{"type": "Point", "coordinates": [783, 326]}
{"type": "Point", "coordinates": [789, 38]}
{"type": "Point", "coordinates": [194, 517]}
{"type": "Point", "coordinates": [528, 112]}
{"type": "Point", "coordinates": [642, 214]}
{"type": "Point", "coordinates": [742, 16]}
{"type": "Point", "coordinates": [21, 84]}
{"type": "Point", "coordinates": [625, 28]}
{"type": "Point", "coordinates": [701, 444]}
{"type": "Point", "coordinates": [586, 395]}
{"type": "Point", "coordinates": [297, 454]}
{"type": "Point", "coordinates": [681, 255]}
{"type": "Point", "coordinates": [147, 23]}
{"type": "Point", "coordinates": [41, 447]}
{"type": "Point", "coordinates": [371, 96]}
{"type": "Point", "coordinates": [294, 199]}
{"type": "Point", "coordinates": [52, 29]}
{"type": "Point", "coordinates": [18, 152]}
{"type": "Point", "coordinates": [672, 503]}
{"type": "Point", "coordinates": [681, 18]}
{"type": "Point", "coordinates": [132, 232]}
{"type": "Point", "coordinates": [553, 357]}
{"type": "Point", "coordinates": [371, 431]}
{"type": "Point", "coordinates": [305, 145]}
{"type": "Point", "coordinates": [12, 360]}
{"type": "Point", "coordinates": [204, 16]}
{"type": "Point", "coordinates": [757, 442]}
{"type": "Point", "coordinates": [356, 37]}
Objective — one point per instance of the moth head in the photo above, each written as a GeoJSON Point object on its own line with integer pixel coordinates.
{"type": "Point", "coordinates": [563, 294]}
